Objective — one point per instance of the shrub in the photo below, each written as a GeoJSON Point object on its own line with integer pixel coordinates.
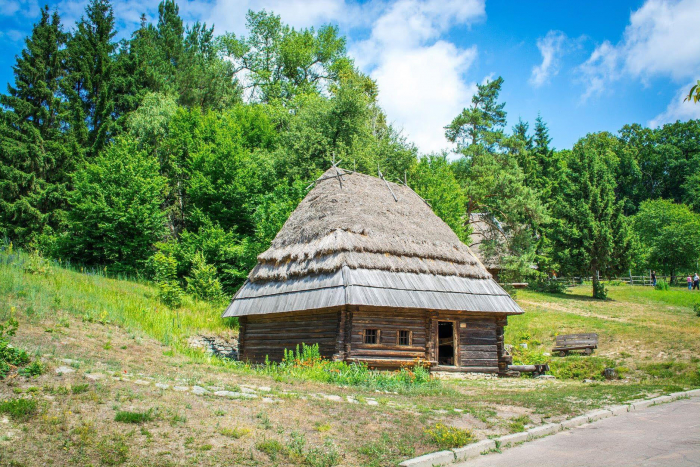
{"type": "Point", "coordinates": [577, 367]}
{"type": "Point", "coordinates": [19, 409]}
{"type": "Point", "coordinates": [36, 264]}
{"type": "Point", "coordinates": [445, 437]}
{"type": "Point", "coordinates": [203, 282]}
{"type": "Point", "coordinates": [696, 309]}
{"type": "Point", "coordinates": [547, 285]}
{"type": "Point", "coordinates": [599, 290]}
{"type": "Point", "coordinates": [165, 275]}
{"type": "Point", "coordinates": [134, 417]}
{"type": "Point", "coordinates": [661, 285]}
{"type": "Point", "coordinates": [33, 369]}
{"type": "Point", "coordinates": [10, 356]}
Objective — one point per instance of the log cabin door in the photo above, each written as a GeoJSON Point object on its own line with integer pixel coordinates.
{"type": "Point", "coordinates": [447, 343]}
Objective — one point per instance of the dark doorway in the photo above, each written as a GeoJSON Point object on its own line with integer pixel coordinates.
{"type": "Point", "coordinates": [446, 343]}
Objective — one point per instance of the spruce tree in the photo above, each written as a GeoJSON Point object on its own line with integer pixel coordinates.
{"type": "Point", "coordinates": [591, 235]}
{"type": "Point", "coordinates": [90, 85]}
{"type": "Point", "coordinates": [493, 183]}
{"type": "Point", "coordinates": [34, 156]}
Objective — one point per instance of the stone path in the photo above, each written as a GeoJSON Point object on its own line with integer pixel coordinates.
{"type": "Point", "coordinates": [244, 391]}
{"type": "Point", "coordinates": [661, 435]}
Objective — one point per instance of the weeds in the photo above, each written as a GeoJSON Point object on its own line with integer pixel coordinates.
{"type": "Point", "coordinates": [80, 388]}
{"type": "Point", "coordinates": [445, 437]}
{"type": "Point", "coordinates": [272, 448]}
{"type": "Point", "coordinates": [234, 433]}
{"type": "Point", "coordinates": [134, 417]}
{"type": "Point", "coordinates": [517, 424]}
{"type": "Point", "coordinates": [19, 409]}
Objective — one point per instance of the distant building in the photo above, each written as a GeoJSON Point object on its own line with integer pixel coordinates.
{"type": "Point", "coordinates": [488, 242]}
{"type": "Point", "coordinates": [365, 269]}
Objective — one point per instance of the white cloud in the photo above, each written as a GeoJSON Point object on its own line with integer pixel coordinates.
{"type": "Point", "coordinates": [551, 46]}
{"type": "Point", "coordinates": [662, 39]}
{"type": "Point", "coordinates": [678, 109]}
{"type": "Point", "coordinates": [26, 8]}
{"type": "Point", "coordinates": [421, 77]}
{"type": "Point", "coordinates": [229, 15]}
{"type": "Point", "coordinates": [423, 89]}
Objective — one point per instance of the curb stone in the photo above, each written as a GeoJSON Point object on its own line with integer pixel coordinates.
{"type": "Point", "coordinates": [513, 439]}
{"type": "Point", "coordinates": [430, 460]}
{"type": "Point", "coordinates": [544, 430]}
{"type": "Point", "coordinates": [473, 450]}
{"type": "Point", "coordinates": [574, 422]}
{"type": "Point", "coordinates": [619, 409]}
{"type": "Point", "coordinates": [599, 415]}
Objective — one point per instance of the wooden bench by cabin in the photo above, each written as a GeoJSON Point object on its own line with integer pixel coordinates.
{"type": "Point", "coordinates": [586, 342]}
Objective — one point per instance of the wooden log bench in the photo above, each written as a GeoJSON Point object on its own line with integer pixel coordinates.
{"type": "Point", "coordinates": [567, 342]}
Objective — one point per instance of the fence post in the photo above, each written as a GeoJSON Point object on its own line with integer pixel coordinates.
{"type": "Point", "coordinates": [631, 281]}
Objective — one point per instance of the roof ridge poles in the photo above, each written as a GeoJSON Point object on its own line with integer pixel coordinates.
{"type": "Point", "coordinates": [387, 184]}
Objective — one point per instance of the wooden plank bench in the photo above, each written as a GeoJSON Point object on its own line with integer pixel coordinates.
{"type": "Point", "coordinates": [586, 342]}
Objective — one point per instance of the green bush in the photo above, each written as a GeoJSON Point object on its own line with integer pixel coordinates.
{"type": "Point", "coordinates": [9, 355]}
{"type": "Point", "coordinates": [446, 437]}
{"type": "Point", "coordinates": [546, 285]}
{"type": "Point", "coordinates": [599, 291]}
{"type": "Point", "coordinates": [696, 309]}
{"type": "Point", "coordinates": [203, 282]}
{"type": "Point", "coordinates": [33, 369]}
{"type": "Point", "coordinates": [165, 276]}
{"type": "Point", "coordinates": [661, 285]}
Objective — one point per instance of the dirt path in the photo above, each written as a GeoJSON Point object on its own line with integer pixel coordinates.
{"type": "Point", "coordinates": [663, 435]}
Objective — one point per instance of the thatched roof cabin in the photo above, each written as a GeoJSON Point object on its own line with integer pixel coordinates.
{"type": "Point", "coordinates": [364, 268]}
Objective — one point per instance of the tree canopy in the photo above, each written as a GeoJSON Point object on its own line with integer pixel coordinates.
{"type": "Point", "coordinates": [185, 149]}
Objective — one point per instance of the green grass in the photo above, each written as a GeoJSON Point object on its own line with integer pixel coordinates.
{"type": "Point", "coordinates": [19, 409]}
{"type": "Point", "coordinates": [96, 298]}
{"type": "Point", "coordinates": [133, 417]}
{"type": "Point", "coordinates": [636, 325]}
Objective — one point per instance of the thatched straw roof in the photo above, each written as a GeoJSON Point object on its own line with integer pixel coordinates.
{"type": "Point", "coordinates": [486, 229]}
{"type": "Point", "coordinates": [358, 227]}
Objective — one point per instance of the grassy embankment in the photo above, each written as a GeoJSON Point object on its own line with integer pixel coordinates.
{"type": "Point", "coordinates": [119, 341]}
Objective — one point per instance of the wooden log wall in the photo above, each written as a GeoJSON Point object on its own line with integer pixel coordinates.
{"type": "Point", "coordinates": [387, 352]}
{"type": "Point", "coordinates": [478, 349]}
{"type": "Point", "coordinates": [268, 335]}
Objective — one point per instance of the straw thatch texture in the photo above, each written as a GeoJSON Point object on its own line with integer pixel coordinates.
{"type": "Point", "coordinates": [356, 245]}
{"type": "Point", "coordinates": [361, 225]}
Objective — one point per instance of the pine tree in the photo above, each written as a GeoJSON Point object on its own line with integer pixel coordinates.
{"type": "Point", "coordinates": [90, 86]}
{"type": "Point", "coordinates": [591, 234]}
{"type": "Point", "coordinates": [34, 156]}
{"type": "Point", "coordinates": [492, 181]}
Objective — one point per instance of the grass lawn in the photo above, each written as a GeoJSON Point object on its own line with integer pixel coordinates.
{"type": "Point", "coordinates": [121, 387]}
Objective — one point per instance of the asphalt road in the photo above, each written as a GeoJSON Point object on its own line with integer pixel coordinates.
{"type": "Point", "coordinates": [666, 435]}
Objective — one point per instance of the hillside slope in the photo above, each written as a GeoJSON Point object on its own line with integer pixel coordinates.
{"type": "Point", "coordinates": [121, 387]}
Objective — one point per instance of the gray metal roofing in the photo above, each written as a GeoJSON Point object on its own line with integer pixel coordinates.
{"type": "Point", "coordinates": [372, 288]}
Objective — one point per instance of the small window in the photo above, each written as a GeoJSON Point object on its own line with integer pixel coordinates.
{"type": "Point", "coordinates": [371, 336]}
{"type": "Point", "coordinates": [404, 337]}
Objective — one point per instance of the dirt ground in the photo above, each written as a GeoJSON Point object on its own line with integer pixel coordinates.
{"type": "Point", "coordinates": [203, 414]}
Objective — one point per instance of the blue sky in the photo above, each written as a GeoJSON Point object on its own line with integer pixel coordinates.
{"type": "Point", "coordinates": [585, 66]}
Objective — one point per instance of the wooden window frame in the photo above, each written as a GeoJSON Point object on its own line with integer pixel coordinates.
{"type": "Point", "coordinates": [377, 336]}
{"type": "Point", "coordinates": [410, 338]}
